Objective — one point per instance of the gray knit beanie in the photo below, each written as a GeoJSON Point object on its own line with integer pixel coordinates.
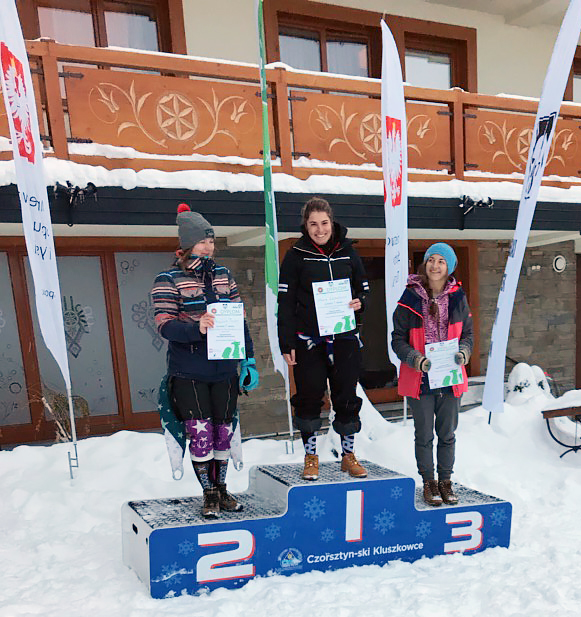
{"type": "Point", "coordinates": [192, 227]}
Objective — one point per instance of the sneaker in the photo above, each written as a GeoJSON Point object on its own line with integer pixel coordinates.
{"type": "Point", "coordinates": [431, 493]}
{"type": "Point", "coordinates": [447, 492]}
{"type": "Point", "coordinates": [211, 507]}
{"type": "Point", "coordinates": [351, 465]}
{"type": "Point", "coordinates": [228, 502]}
{"type": "Point", "coordinates": [311, 470]}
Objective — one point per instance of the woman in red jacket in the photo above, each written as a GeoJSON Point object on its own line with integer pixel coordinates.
{"type": "Point", "coordinates": [433, 308]}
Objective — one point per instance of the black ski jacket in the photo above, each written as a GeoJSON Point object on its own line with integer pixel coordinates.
{"type": "Point", "coordinates": [304, 264]}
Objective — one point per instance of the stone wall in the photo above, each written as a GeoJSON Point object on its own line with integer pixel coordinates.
{"type": "Point", "coordinates": [542, 330]}
{"type": "Point", "coordinates": [543, 323]}
{"type": "Point", "coordinates": [264, 410]}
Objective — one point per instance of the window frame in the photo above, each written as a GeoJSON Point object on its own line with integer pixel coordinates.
{"type": "Point", "coordinates": [457, 41]}
{"type": "Point", "coordinates": [169, 17]}
{"type": "Point", "coordinates": [326, 30]}
{"type": "Point", "coordinates": [575, 70]}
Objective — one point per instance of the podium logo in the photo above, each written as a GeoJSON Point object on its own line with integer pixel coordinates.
{"type": "Point", "coordinates": [291, 559]}
{"type": "Point", "coordinates": [18, 102]}
{"type": "Point", "coordinates": [394, 160]}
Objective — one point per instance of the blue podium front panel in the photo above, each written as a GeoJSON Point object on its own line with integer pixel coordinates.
{"type": "Point", "coordinates": [290, 525]}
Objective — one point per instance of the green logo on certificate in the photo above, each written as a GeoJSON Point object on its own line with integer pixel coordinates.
{"type": "Point", "coordinates": [346, 324]}
{"type": "Point", "coordinates": [454, 378]}
{"type": "Point", "coordinates": [234, 351]}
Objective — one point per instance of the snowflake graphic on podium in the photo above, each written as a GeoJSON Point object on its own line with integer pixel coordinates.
{"type": "Point", "coordinates": [498, 517]}
{"type": "Point", "coordinates": [272, 532]}
{"type": "Point", "coordinates": [423, 529]}
{"type": "Point", "coordinates": [384, 521]}
{"type": "Point", "coordinates": [314, 508]}
{"type": "Point", "coordinates": [327, 535]}
{"type": "Point", "coordinates": [396, 492]}
{"type": "Point", "coordinates": [171, 574]}
{"type": "Point", "coordinates": [187, 547]}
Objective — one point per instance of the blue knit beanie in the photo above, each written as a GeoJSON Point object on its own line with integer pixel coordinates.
{"type": "Point", "coordinates": [446, 251]}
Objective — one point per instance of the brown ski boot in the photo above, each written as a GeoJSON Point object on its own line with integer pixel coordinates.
{"type": "Point", "coordinates": [311, 470]}
{"type": "Point", "coordinates": [211, 507]}
{"type": "Point", "coordinates": [352, 466]}
{"type": "Point", "coordinates": [447, 492]}
{"type": "Point", "coordinates": [228, 502]}
{"type": "Point", "coordinates": [431, 493]}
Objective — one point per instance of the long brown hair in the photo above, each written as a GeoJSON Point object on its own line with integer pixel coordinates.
{"type": "Point", "coordinates": [425, 283]}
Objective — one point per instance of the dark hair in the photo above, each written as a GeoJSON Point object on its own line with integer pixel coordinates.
{"type": "Point", "coordinates": [316, 204]}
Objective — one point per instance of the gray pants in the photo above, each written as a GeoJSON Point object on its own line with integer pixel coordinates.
{"type": "Point", "coordinates": [443, 407]}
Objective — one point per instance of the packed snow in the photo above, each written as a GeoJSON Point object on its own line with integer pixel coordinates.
{"type": "Point", "coordinates": [61, 540]}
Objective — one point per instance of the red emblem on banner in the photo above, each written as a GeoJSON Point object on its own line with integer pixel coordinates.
{"type": "Point", "coordinates": [17, 101]}
{"type": "Point", "coordinates": [394, 159]}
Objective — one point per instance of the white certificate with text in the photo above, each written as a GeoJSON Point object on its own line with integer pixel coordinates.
{"type": "Point", "coordinates": [226, 338]}
{"type": "Point", "coordinates": [444, 370]}
{"type": "Point", "coordinates": [332, 300]}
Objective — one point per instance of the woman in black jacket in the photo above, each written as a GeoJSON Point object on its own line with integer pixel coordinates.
{"type": "Point", "coordinates": [323, 253]}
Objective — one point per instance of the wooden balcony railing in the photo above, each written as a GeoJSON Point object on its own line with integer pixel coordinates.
{"type": "Point", "coordinates": [138, 110]}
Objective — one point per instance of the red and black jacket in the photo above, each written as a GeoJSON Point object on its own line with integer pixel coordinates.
{"type": "Point", "coordinates": [409, 338]}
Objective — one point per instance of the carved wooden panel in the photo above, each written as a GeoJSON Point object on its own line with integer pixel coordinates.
{"type": "Point", "coordinates": [346, 130]}
{"type": "Point", "coordinates": [499, 141]}
{"type": "Point", "coordinates": [165, 115]}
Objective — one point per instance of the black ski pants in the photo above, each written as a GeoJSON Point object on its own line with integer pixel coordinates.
{"type": "Point", "coordinates": [312, 372]}
{"type": "Point", "coordinates": [202, 400]}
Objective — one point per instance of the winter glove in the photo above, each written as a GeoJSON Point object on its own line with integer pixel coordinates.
{"type": "Point", "coordinates": [248, 375]}
{"type": "Point", "coordinates": [462, 357]}
{"type": "Point", "coordinates": [423, 364]}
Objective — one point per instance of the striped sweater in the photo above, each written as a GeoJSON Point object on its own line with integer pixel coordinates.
{"type": "Point", "coordinates": [180, 299]}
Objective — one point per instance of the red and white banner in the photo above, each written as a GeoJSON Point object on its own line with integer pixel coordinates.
{"type": "Point", "coordinates": [542, 138]}
{"type": "Point", "coordinates": [21, 109]}
{"type": "Point", "coordinates": [395, 174]}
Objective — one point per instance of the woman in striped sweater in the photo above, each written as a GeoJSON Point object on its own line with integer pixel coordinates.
{"type": "Point", "coordinates": [204, 392]}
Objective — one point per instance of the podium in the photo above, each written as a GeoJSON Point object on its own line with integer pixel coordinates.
{"type": "Point", "coordinates": [290, 525]}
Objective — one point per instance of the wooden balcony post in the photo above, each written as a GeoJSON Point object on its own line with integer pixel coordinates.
{"type": "Point", "coordinates": [457, 125]}
{"type": "Point", "coordinates": [282, 121]}
{"type": "Point", "coordinates": [54, 104]}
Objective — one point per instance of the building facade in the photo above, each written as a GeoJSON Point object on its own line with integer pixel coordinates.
{"type": "Point", "coordinates": [154, 102]}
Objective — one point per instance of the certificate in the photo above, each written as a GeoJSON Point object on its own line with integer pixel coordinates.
{"type": "Point", "coordinates": [444, 370]}
{"type": "Point", "coordinates": [332, 300]}
{"type": "Point", "coordinates": [226, 338]}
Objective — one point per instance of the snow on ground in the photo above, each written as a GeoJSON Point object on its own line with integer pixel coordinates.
{"type": "Point", "coordinates": [60, 540]}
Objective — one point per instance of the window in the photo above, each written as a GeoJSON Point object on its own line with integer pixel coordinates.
{"type": "Point", "coordinates": [135, 24]}
{"type": "Point", "coordinates": [324, 50]}
{"type": "Point", "coordinates": [337, 39]}
{"type": "Point", "coordinates": [428, 70]}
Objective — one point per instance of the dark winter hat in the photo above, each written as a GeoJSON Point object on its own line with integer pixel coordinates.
{"type": "Point", "coordinates": [446, 251]}
{"type": "Point", "coordinates": [192, 227]}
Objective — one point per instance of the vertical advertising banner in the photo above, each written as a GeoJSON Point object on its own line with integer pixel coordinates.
{"type": "Point", "coordinates": [21, 109]}
{"type": "Point", "coordinates": [542, 137]}
{"type": "Point", "coordinates": [395, 163]}
{"type": "Point", "coordinates": [271, 267]}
